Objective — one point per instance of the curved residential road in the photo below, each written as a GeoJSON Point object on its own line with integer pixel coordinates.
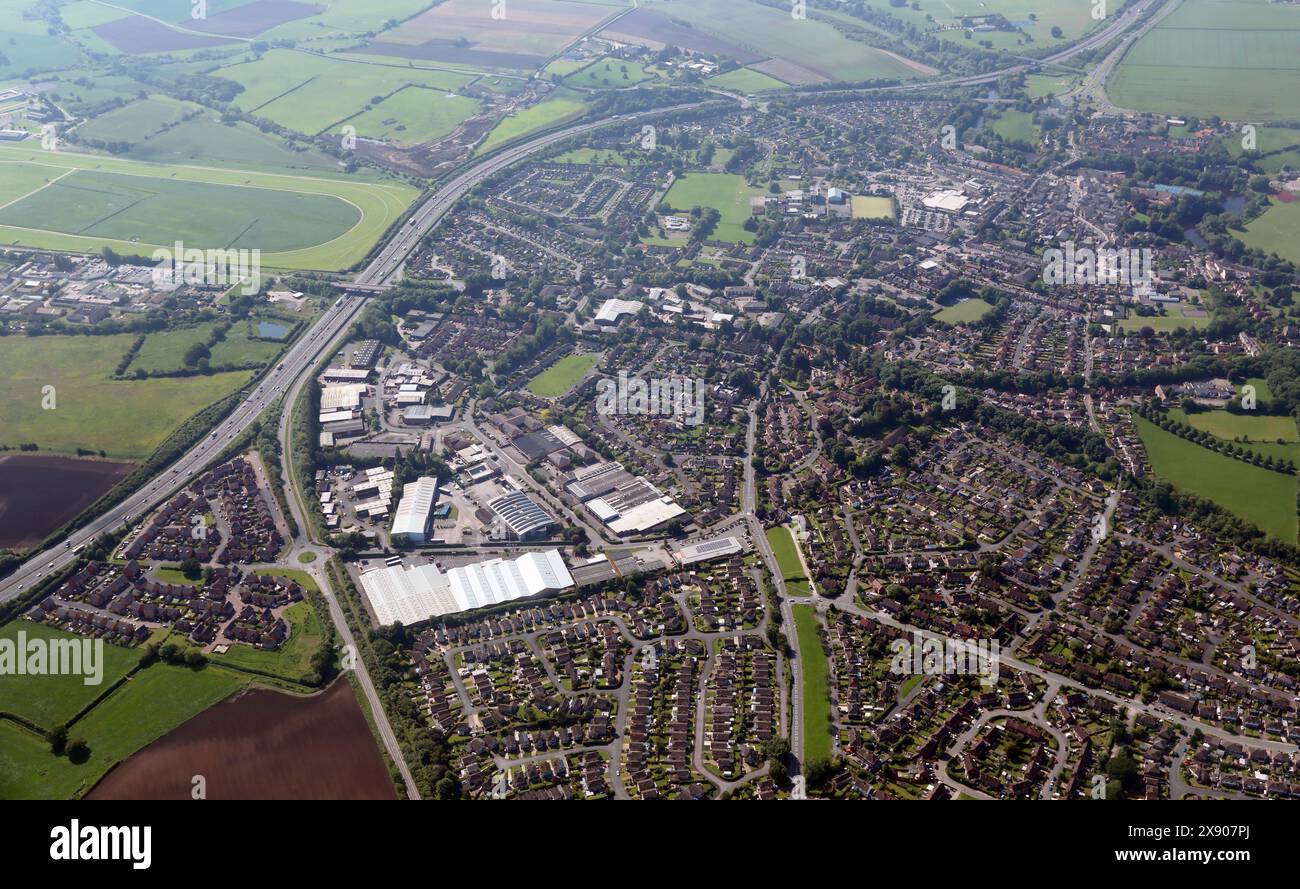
{"type": "Point", "coordinates": [305, 352]}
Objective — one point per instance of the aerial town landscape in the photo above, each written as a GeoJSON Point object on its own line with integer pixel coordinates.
{"type": "Point", "coordinates": [650, 399]}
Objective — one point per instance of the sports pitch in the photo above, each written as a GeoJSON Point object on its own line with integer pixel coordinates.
{"type": "Point", "coordinates": [727, 193]}
{"type": "Point", "coordinates": [86, 202]}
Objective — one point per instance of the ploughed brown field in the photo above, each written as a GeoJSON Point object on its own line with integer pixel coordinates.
{"type": "Point", "coordinates": [261, 744]}
{"type": "Point", "coordinates": [39, 493]}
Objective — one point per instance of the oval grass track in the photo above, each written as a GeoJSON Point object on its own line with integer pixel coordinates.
{"type": "Point", "coordinates": [379, 205]}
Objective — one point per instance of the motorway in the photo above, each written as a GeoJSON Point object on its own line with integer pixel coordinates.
{"type": "Point", "coordinates": [300, 357]}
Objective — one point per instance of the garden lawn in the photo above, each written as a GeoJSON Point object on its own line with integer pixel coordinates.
{"type": "Point", "coordinates": [817, 741]}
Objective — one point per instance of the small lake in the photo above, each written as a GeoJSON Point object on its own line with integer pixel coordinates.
{"type": "Point", "coordinates": [269, 330]}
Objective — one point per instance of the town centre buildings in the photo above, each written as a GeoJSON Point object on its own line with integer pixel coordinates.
{"type": "Point", "coordinates": [413, 593]}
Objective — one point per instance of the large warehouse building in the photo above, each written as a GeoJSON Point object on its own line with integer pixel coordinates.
{"type": "Point", "coordinates": [412, 517]}
{"type": "Point", "coordinates": [411, 594]}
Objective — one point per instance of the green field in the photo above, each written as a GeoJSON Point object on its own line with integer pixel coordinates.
{"type": "Point", "coordinates": [165, 351]}
{"type": "Point", "coordinates": [125, 418]}
{"type": "Point", "coordinates": [612, 73]}
{"type": "Point", "coordinates": [964, 312]}
{"type": "Point", "coordinates": [561, 376]}
{"type": "Point", "coordinates": [804, 51]}
{"type": "Point", "coordinates": [413, 115]}
{"type": "Point", "coordinates": [313, 94]}
{"type": "Point", "coordinates": [727, 193]}
{"type": "Point", "coordinates": [1038, 86]}
{"type": "Point", "coordinates": [50, 701]}
{"type": "Point", "coordinates": [745, 80]}
{"type": "Point", "coordinates": [1228, 426]}
{"type": "Point", "coordinates": [559, 107]}
{"type": "Point", "coordinates": [1233, 58]}
{"type": "Point", "coordinates": [208, 142]}
{"type": "Point", "coordinates": [134, 207]}
{"type": "Point", "coordinates": [1074, 20]}
{"type": "Point", "coordinates": [1277, 230]}
{"type": "Point", "coordinates": [1015, 126]}
{"type": "Point", "coordinates": [1264, 498]}
{"type": "Point", "coordinates": [293, 660]}
{"type": "Point", "coordinates": [872, 207]}
{"type": "Point", "coordinates": [816, 685]}
{"type": "Point", "coordinates": [591, 156]}
{"type": "Point", "coordinates": [1174, 319]}
{"type": "Point", "coordinates": [137, 122]}
{"type": "Point", "coordinates": [787, 559]}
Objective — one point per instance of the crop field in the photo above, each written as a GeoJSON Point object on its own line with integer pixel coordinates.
{"type": "Point", "coordinates": [727, 193]}
{"type": "Point", "coordinates": [297, 221]}
{"type": "Point", "coordinates": [124, 418]}
{"type": "Point", "coordinates": [137, 209]}
{"type": "Point", "coordinates": [561, 376]}
{"type": "Point", "coordinates": [311, 93]}
{"type": "Point", "coordinates": [817, 741]}
{"type": "Point", "coordinates": [531, 31]}
{"type": "Point", "coordinates": [413, 115]}
{"type": "Point", "coordinates": [1277, 230]}
{"type": "Point", "coordinates": [209, 142]}
{"type": "Point", "coordinates": [1235, 59]}
{"type": "Point", "coordinates": [136, 122]}
{"type": "Point", "coordinates": [1262, 497]}
{"type": "Point", "coordinates": [559, 107]}
{"type": "Point", "coordinates": [964, 312]}
{"type": "Point", "coordinates": [807, 51]}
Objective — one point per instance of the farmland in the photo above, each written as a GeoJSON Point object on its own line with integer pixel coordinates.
{"type": "Point", "coordinates": [1262, 497]}
{"type": "Point", "coordinates": [1276, 231]}
{"type": "Point", "coordinates": [50, 701]}
{"type": "Point", "coordinates": [413, 115]}
{"type": "Point", "coordinates": [465, 32]}
{"type": "Point", "coordinates": [561, 376]}
{"type": "Point", "coordinates": [1035, 19]}
{"type": "Point", "coordinates": [313, 94]}
{"type": "Point", "coordinates": [165, 351]}
{"type": "Point", "coordinates": [810, 51]}
{"type": "Point", "coordinates": [1235, 59]}
{"type": "Point", "coordinates": [559, 107]}
{"type": "Point", "coordinates": [134, 207]}
{"type": "Point", "coordinates": [727, 193]}
{"type": "Point", "coordinates": [124, 418]}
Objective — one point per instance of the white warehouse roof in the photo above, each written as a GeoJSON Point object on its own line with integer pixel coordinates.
{"type": "Point", "coordinates": [415, 593]}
